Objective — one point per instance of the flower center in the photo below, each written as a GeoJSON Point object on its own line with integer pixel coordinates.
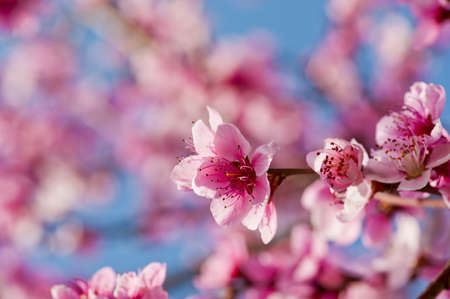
{"type": "Point", "coordinates": [233, 178]}
{"type": "Point", "coordinates": [337, 163]}
{"type": "Point", "coordinates": [408, 154]}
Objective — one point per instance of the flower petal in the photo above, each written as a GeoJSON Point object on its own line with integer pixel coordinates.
{"type": "Point", "coordinates": [261, 191]}
{"type": "Point", "coordinates": [314, 160]}
{"type": "Point", "coordinates": [269, 223]}
{"type": "Point", "coordinates": [63, 292]}
{"type": "Point", "coordinates": [208, 180]}
{"type": "Point", "coordinates": [382, 172]}
{"type": "Point", "coordinates": [156, 293]}
{"type": "Point", "coordinates": [153, 275]}
{"type": "Point", "coordinates": [227, 210]}
{"type": "Point", "coordinates": [203, 138]}
{"type": "Point", "coordinates": [416, 183]}
{"type": "Point", "coordinates": [377, 230]}
{"type": "Point", "coordinates": [356, 198]}
{"type": "Point", "coordinates": [440, 154]}
{"type": "Point", "coordinates": [262, 157]}
{"type": "Point", "coordinates": [254, 216]}
{"type": "Point", "coordinates": [103, 282]}
{"type": "Point", "coordinates": [230, 143]}
{"type": "Point", "coordinates": [386, 128]}
{"type": "Point", "coordinates": [362, 153]}
{"type": "Point", "coordinates": [184, 172]}
{"type": "Point", "coordinates": [214, 118]}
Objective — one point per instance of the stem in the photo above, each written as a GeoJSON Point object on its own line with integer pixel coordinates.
{"type": "Point", "coordinates": [290, 171]}
{"type": "Point", "coordinates": [409, 202]}
{"type": "Point", "coordinates": [439, 283]}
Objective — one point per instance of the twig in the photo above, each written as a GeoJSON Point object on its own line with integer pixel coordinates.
{"type": "Point", "coordinates": [290, 171]}
{"type": "Point", "coordinates": [409, 202]}
{"type": "Point", "coordinates": [441, 282]}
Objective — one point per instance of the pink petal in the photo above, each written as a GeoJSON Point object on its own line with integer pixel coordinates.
{"type": "Point", "coordinates": [363, 157]}
{"type": "Point", "coordinates": [446, 195]}
{"type": "Point", "coordinates": [209, 179]}
{"type": "Point", "coordinates": [314, 160]}
{"type": "Point", "coordinates": [356, 198]}
{"type": "Point", "coordinates": [307, 268]}
{"type": "Point", "coordinates": [414, 95]}
{"type": "Point", "coordinates": [382, 172]}
{"type": "Point", "coordinates": [203, 138]}
{"type": "Point", "coordinates": [129, 285]}
{"type": "Point", "coordinates": [153, 275]}
{"type": "Point", "coordinates": [184, 172]}
{"type": "Point", "coordinates": [435, 100]}
{"type": "Point", "coordinates": [261, 192]}
{"type": "Point", "coordinates": [63, 292]}
{"type": "Point", "coordinates": [269, 223]}
{"type": "Point", "coordinates": [378, 229]}
{"type": "Point", "coordinates": [156, 293]}
{"type": "Point", "coordinates": [230, 143]}
{"type": "Point", "coordinates": [262, 157]}
{"type": "Point", "coordinates": [426, 34]}
{"type": "Point", "coordinates": [437, 132]}
{"type": "Point", "coordinates": [440, 154]}
{"type": "Point", "coordinates": [330, 143]}
{"type": "Point", "coordinates": [386, 128]}
{"type": "Point", "coordinates": [254, 216]}
{"type": "Point", "coordinates": [214, 118]}
{"type": "Point", "coordinates": [103, 282]}
{"type": "Point", "coordinates": [229, 210]}
{"type": "Point", "coordinates": [416, 183]}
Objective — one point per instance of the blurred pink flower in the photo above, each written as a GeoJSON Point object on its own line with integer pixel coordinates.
{"type": "Point", "coordinates": [433, 16]}
{"type": "Point", "coordinates": [340, 165]}
{"type": "Point", "coordinates": [411, 142]}
{"type": "Point", "coordinates": [223, 170]}
{"type": "Point", "coordinates": [400, 258]}
{"type": "Point", "coordinates": [105, 283]}
{"type": "Point", "coordinates": [220, 268]}
{"type": "Point", "coordinates": [440, 178]}
{"type": "Point", "coordinates": [321, 203]}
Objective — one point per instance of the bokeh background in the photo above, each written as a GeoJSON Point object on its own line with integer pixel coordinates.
{"type": "Point", "coordinates": [98, 101]}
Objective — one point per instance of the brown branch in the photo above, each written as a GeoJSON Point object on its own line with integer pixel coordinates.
{"type": "Point", "coordinates": [439, 283]}
{"type": "Point", "coordinates": [290, 171]}
{"type": "Point", "coordinates": [409, 202]}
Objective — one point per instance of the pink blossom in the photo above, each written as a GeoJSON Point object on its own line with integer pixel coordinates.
{"type": "Point", "coordinates": [322, 205]}
{"type": "Point", "coordinates": [433, 16]}
{"type": "Point", "coordinates": [399, 260]}
{"type": "Point", "coordinates": [340, 165]}
{"type": "Point", "coordinates": [427, 99]}
{"type": "Point", "coordinates": [224, 170]}
{"type": "Point", "coordinates": [105, 284]}
{"type": "Point", "coordinates": [411, 142]}
{"type": "Point", "coordinates": [220, 268]}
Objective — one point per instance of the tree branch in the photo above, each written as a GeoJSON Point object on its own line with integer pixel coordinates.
{"type": "Point", "coordinates": [409, 202]}
{"type": "Point", "coordinates": [290, 171]}
{"type": "Point", "coordinates": [441, 282]}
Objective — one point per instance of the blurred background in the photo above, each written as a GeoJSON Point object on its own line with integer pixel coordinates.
{"type": "Point", "coordinates": [97, 96]}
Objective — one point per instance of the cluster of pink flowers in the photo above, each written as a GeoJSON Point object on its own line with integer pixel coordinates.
{"type": "Point", "coordinates": [106, 284]}
{"type": "Point", "coordinates": [411, 145]}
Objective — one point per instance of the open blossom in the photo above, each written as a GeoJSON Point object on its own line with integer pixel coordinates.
{"type": "Point", "coordinates": [433, 16]}
{"type": "Point", "coordinates": [225, 170]}
{"type": "Point", "coordinates": [340, 165]}
{"type": "Point", "coordinates": [411, 142]}
{"type": "Point", "coordinates": [105, 283]}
